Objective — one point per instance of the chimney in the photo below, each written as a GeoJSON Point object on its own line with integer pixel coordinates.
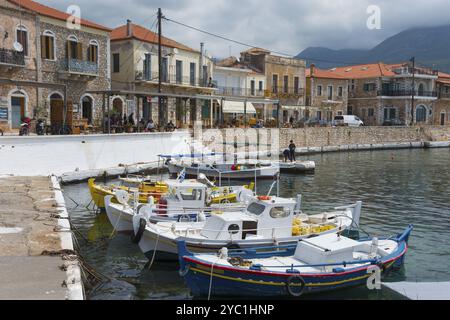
{"type": "Point", "coordinates": [312, 69]}
{"type": "Point", "coordinates": [129, 28]}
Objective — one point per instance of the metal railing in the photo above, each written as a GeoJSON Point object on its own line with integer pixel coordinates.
{"type": "Point", "coordinates": [283, 92]}
{"type": "Point", "coordinates": [417, 71]}
{"type": "Point", "coordinates": [406, 92]}
{"type": "Point", "coordinates": [173, 78]}
{"type": "Point", "coordinates": [236, 91]}
{"type": "Point", "coordinates": [12, 57]}
{"type": "Point", "coordinates": [80, 66]}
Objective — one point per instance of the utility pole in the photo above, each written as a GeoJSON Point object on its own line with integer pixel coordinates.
{"type": "Point", "coordinates": [413, 60]}
{"type": "Point", "coordinates": [160, 108]}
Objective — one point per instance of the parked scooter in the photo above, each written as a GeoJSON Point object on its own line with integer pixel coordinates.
{"type": "Point", "coordinates": [25, 127]}
{"type": "Point", "coordinates": [40, 127]}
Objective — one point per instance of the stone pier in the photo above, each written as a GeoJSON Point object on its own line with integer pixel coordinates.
{"type": "Point", "coordinates": [35, 264]}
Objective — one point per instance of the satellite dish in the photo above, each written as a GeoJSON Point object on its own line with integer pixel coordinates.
{"type": "Point", "coordinates": [122, 196]}
{"type": "Point", "coordinates": [18, 47]}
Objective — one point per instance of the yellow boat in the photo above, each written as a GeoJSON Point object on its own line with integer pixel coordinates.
{"type": "Point", "coordinates": [227, 194]}
{"type": "Point", "coordinates": [146, 189]}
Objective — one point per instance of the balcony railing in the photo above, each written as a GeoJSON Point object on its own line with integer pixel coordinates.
{"type": "Point", "coordinates": [243, 92]}
{"type": "Point", "coordinates": [12, 57]}
{"type": "Point", "coordinates": [407, 92]}
{"type": "Point", "coordinates": [444, 95]}
{"type": "Point", "coordinates": [80, 66]}
{"type": "Point", "coordinates": [417, 71]}
{"type": "Point", "coordinates": [281, 92]}
{"type": "Point", "coordinates": [172, 78]}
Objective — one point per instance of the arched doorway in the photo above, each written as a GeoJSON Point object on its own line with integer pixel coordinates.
{"type": "Point", "coordinates": [87, 104]}
{"type": "Point", "coordinates": [18, 108]}
{"type": "Point", "coordinates": [56, 110]}
{"type": "Point", "coordinates": [117, 106]}
{"type": "Point", "coordinates": [421, 114]}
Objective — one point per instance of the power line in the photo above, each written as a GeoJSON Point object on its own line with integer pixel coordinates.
{"type": "Point", "coordinates": [310, 59]}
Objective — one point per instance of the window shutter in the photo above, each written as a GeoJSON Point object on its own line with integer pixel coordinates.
{"type": "Point", "coordinates": [68, 50]}
{"type": "Point", "coordinates": [43, 51]}
{"type": "Point", "coordinates": [79, 51]}
{"type": "Point", "coordinates": [51, 47]}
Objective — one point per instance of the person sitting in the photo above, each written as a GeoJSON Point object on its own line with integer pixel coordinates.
{"type": "Point", "coordinates": [170, 126]}
{"type": "Point", "coordinates": [150, 127]}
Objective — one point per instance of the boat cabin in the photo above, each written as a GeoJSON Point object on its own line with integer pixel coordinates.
{"type": "Point", "coordinates": [265, 217]}
{"type": "Point", "coordinates": [184, 194]}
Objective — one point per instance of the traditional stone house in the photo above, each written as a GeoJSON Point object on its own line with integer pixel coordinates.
{"type": "Point", "coordinates": [326, 95]}
{"type": "Point", "coordinates": [60, 54]}
{"type": "Point", "coordinates": [381, 94]}
{"type": "Point", "coordinates": [186, 72]}
{"type": "Point", "coordinates": [442, 106]}
{"type": "Point", "coordinates": [285, 80]}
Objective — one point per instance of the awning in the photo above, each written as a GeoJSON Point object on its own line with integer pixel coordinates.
{"type": "Point", "coordinates": [237, 107]}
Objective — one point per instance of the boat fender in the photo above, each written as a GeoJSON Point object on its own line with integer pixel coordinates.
{"type": "Point", "coordinates": [295, 280]}
{"type": "Point", "coordinates": [208, 200]}
{"type": "Point", "coordinates": [136, 238]}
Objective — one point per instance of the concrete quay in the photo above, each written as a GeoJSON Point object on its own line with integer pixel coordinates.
{"type": "Point", "coordinates": [37, 261]}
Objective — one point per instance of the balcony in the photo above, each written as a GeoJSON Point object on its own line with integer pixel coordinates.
{"type": "Point", "coordinates": [239, 92]}
{"type": "Point", "coordinates": [11, 58]}
{"type": "Point", "coordinates": [285, 93]}
{"type": "Point", "coordinates": [74, 69]}
{"type": "Point", "coordinates": [407, 93]}
{"type": "Point", "coordinates": [444, 95]}
{"type": "Point", "coordinates": [408, 71]}
{"type": "Point", "coordinates": [173, 79]}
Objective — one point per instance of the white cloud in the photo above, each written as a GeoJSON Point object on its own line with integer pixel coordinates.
{"type": "Point", "coordinates": [280, 25]}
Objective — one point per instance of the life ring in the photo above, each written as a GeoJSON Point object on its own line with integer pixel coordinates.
{"type": "Point", "coordinates": [137, 237]}
{"type": "Point", "coordinates": [294, 279]}
{"type": "Point", "coordinates": [225, 201]}
{"type": "Point", "coordinates": [264, 197]}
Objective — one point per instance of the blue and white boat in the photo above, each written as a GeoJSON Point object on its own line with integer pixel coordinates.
{"type": "Point", "coordinates": [323, 263]}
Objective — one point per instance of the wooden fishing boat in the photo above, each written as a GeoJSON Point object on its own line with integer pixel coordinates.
{"type": "Point", "coordinates": [184, 201]}
{"type": "Point", "coordinates": [145, 190]}
{"type": "Point", "coordinates": [318, 264]}
{"type": "Point", "coordinates": [266, 220]}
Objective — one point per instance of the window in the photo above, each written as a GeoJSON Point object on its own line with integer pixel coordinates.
{"type": "Point", "coordinates": [371, 112]}
{"type": "Point", "coordinates": [350, 110]}
{"type": "Point", "coordinates": [296, 85]}
{"type": "Point", "coordinates": [319, 91]}
{"type": "Point", "coordinates": [192, 74]}
{"type": "Point", "coordinates": [286, 84]}
{"type": "Point", "coordinates": [280, 212]}
{"type": "Point", "coordinates": [179, 71]}
{"type": "Point", "coordinates": [260, 86]}
{"type": "Point", "coordinates": [275, 83]}
{"type": "Point", "coordinates": [93, 51]}
{"type": "Point", "coordinates": [256, 208]}
{"type": "Point", "coordinates": [369, 87]}
{"type": "Point", "coordinates": [340, 91]}
{"type": "Point", "coordinates": [48, 45]}
{"type": "Point", "coordinates": [116, 62]}
{"type": "Point", "coordinates": [252, 87]}
{"type": "Point", "coordinates": [192, 195]}
{"type": "Point", "coordinates": [148, 67]}
{"type": "Point", "coordinates": [74, 48]}
{"type": "Point", "coordinates": [165, 70]}
{"type": "Point", "coordinates": [22, 38]}
{"type": "Point", "coordinates": [330, 92]}
{"type": "Point", "coordinates": [319, 115]}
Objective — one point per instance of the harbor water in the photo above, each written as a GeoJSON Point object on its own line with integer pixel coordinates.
{"type": "Point", "coordinates": [397, 188]}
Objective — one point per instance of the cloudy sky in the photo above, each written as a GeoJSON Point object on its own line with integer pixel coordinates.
{"type": "Point", "coordinates": [287, 26]}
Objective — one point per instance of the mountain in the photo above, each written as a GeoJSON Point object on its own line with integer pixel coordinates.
{"type": "Point", "coordinates": [430, 46]}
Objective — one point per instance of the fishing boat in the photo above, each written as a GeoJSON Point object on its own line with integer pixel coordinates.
{"type": "Point", "coordinates": [264, 222]}
{"type": "Point", "coordinates": [249, 169]}
{"type": "Point", "coordinates": [184, 201]}
{"type": "Point", "coordinates": [146, 189]}
{"type": "Point", "coordinates": [323, 263]}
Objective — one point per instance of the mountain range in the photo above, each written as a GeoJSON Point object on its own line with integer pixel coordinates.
{"type": "Point", "coordinates": [429, 45]}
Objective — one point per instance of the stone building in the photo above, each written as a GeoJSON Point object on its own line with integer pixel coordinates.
{"type": "Point", "coordinates": [62, 54]}
{"type": "Point", "coordinates": [326, 95]}
{"type": "Point", "coordinates": [185, 72]}
{"type": "Point", "coordinates": [285, 81]}
{"type": "Point", "coordinates": [442, 106]}
{"type": "Point", "coordinates": [381, 94]}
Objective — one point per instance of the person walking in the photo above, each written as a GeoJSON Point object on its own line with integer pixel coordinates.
{"type": "Point", "coordinates": [292, 151]}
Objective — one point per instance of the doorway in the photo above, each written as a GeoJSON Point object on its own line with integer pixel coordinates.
{"type": "Point", "coordinates": [17, 110]}
{"type": "Point", "coordinates": [87, 104]}
{"type": "Point", "coordinates": [56, 110]}
{"type": "Point", "coordinates": [442, 119]}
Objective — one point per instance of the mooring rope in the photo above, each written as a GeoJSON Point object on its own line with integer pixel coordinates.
{"type": "Point", "coordinates": [154, 252]}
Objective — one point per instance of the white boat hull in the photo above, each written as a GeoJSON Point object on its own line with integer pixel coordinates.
{"type": "Point", "coordinates": [121, 219]}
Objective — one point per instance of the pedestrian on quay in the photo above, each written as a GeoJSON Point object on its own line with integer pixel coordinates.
{"type": "Point", "coordinates": [292, 151]}
{"type": "Point", "coordinates": [287, 155]}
